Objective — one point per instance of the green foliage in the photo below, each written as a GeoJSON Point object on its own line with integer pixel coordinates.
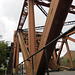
{"type": "Point", "coordinates": [68, 60]}
{"type": "Point", "coordinates": [2, 72]}
{"type": "Point", "coordinates": [3, 51]}
{"type": "Point", "coordinates": [19, 69]}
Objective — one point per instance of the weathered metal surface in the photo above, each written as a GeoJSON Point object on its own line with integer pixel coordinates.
{"type": "Point", "coordinates": [42, 3]}
{"type": "Point", "coordinates": [17, 55]}
{"type": "Point", "coordinates": [69, 54]}
{"type": "Point", "coordinates": [52, 65]}
{"type": "Point", "coordinates": [54, 56]}
{"type": "Point", "coordinates": [53, 26]}
{"type": "Point", "coordinates": [22, 16]}
{"type": "Point", "coordinates": [31, 33]}
{"type": "Point", "coordinates": [24, 12]}
{"type": "Point", "coordinates": [73, 40]}
{"type": "Point", "coordinates": [31, 27]}
{"type": "Point", "coordinates": [73, 32]}
{"type": "Point", "coordinates": [60, 50]}
{"type": "Point", "coordinates": [24, 53]}
{"type": "Point", "coordinates": [54, 23]}
{"type": "Point", "coordinates": [14, 52]}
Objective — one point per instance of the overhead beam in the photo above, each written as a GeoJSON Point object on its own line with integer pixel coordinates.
{"type": "Point", "coordinates": [54, 23]}
{"type": "Point", "coordinates": [22, 14]}
{"type": "Point", "coordinates": [42, 3]}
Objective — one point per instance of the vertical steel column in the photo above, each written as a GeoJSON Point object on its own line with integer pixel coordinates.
{"type": "Point", "coordinates": [69, 54]}
{"type": "Point", "coordinates": [31, 27]}
{"type": "Point", "coordinates": [14, 52]}
{"type": "Point", "coordinates": [17, 55]}
{"type": "Point", "coordinates": [31, 30]}
{"type": "Point", "coordinates": [60, 50]}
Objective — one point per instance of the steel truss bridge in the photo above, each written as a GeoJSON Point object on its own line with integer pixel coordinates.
{"type": "Point", "coordinates": [39, 48]}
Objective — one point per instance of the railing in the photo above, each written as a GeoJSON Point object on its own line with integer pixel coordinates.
{"type": "Point", "coordinates": [20, 68]}
{"type": "Point", "coordinates": [44, 48]}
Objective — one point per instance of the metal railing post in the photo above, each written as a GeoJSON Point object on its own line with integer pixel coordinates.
{"type": "Point", "coordinates": [46, 61]}
{"type": "Point", "coordinates": [22, 68]}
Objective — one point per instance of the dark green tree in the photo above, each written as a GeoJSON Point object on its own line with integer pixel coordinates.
{"type": "Point", "coordinates": [3, 52]}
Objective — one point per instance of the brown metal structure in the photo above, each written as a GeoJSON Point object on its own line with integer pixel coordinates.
{"type": "Point", "coordinates": [31, 41]}
{"type": "Point", "coordinates": [64, 40]}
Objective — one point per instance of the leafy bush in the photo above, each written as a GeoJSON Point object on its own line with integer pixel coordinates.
{"type": "Point", "coordinates": [2, 72]}
{"type": "Point", "coordinates": [3, 51]}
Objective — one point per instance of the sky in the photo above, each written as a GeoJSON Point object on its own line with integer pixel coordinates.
{"type": "Point", "coordinates": [9, 17]}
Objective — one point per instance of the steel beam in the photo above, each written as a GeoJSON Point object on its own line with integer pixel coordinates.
{"type": "Point", "coordinates": [31, 27]}
{"type": "Point", "coordinates": [42, 3]}
{"type": "Point", "coordinates": [63, 67]}
{"type": "Point", "coordinates": [54, 23]}
{"type": "Point", "coordinates": [24, 53]}
{"type": "Point", "coordinates": [24, 15]}
{"type": "Point", "coordinates": [60, 50]}
{"type": "Point", "coordinates": [54, 56]}
{"type": "Point", "coordinates": [69, 54]}
{"type": "Point", "coordinates": [14, 53]}
{"type": "Point", "coordinates": [31, 31]}
{"type": "Point", "coordinates": [73, 32]}
{"type": "Point", "coordinates": [17, 55]}
{"type": "Point", "coordinates": [71, 39]}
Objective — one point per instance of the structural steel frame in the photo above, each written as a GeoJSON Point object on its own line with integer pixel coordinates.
{"type": "Point", "coordinates": [58, 10]}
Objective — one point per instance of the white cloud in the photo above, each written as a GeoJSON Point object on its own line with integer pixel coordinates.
{"type": "Point", "coordinates": [9, 16]}
{"type": "Point", "coordinates": [9, 26]}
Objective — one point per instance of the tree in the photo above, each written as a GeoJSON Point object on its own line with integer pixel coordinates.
{"type": "Point", "coordinates": [3, 51]}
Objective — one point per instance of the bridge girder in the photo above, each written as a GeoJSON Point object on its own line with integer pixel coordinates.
{"type": "Point", "coordinates": [58, 10]}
